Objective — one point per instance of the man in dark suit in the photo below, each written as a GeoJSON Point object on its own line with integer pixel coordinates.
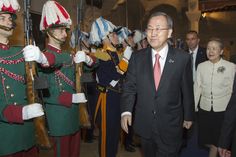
{"type": "Point", "coordinates": [198, 53]}
{"type": "Point", "coordinates": [163, 107]}
{"type": "Point", "coordinates": [228, 127]}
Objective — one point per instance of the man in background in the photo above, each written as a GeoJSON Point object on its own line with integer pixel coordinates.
{"type": "Point", "coordinates": [197, 53]}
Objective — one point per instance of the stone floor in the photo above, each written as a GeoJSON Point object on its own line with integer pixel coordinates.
{"type": "Point", "coordinates": [90, 150]}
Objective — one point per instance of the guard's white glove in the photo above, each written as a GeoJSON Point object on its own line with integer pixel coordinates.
{"type": "Point", "coordinates": [32, 111]}
{"type": "Point", "coordinates": [128, 52]}
{"type": "Point", "coordinates": [33, 53]}
{"type": "Point", "coordinates": [78, 98]}
{"type": "Point", "coordinates": [81, 56]}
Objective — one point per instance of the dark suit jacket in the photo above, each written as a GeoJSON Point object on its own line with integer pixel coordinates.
{"type": "Point", "coordinates": [201, 56]}
{"type": "Point", "coordinates": [233, 59]}
{"type": "Point", "coordinates": [229, 123]}
{"type": "Point", "coordinates": [172, 103]}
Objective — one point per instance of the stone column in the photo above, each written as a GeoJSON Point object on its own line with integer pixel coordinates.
{"type": "Point", "coordinates": [193, 14]}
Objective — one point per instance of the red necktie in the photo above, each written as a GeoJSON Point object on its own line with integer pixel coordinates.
{"type": "Point", "coordinates": [157, 71]}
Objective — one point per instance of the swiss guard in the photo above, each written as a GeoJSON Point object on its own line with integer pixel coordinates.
{"type": "Point", "coordinates": [62, 102]}
{"type": "Point", "coordinates": [17, 131]}
{"type": "Point", "coordinates": [112, 66]}
{"type": "Point", "coordinates": [140, 39]}
{"type": "Point", "coordinates": [126, 37]}
{"type": "Point", "coordinates": [88, 79]}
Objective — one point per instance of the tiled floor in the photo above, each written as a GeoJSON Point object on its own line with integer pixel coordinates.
{"type": "Point", "coordinates": [90, 150]}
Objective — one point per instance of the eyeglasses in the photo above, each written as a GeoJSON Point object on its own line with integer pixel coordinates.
{"type": "Point", "coordinates": [156, 29]}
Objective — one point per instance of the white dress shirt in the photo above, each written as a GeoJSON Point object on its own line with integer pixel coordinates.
{"type": "Point", "coordinates": [194, 56]}
{"type": "Point", "coordinates": [163, 54]}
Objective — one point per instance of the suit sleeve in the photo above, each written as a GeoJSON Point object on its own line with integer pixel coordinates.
{"type": "Point", "coordinates": [129, 87]}
{"type": "Point", "coordinates": [229, 123]}
{"type": "Point", "coordinates": [187, 92]}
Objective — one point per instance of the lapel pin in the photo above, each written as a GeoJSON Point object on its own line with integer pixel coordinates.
{"type": "Point", "coordinates": [171, 61]}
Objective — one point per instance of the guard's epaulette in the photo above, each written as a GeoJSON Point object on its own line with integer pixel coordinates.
{"type": "Point", "coordinates": [101, 54]}
{"type": "Point", "coordinates": [109, 48]}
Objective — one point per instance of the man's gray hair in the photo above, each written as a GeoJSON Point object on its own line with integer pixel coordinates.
{"type": "Point", "coordinates": [168, 18]}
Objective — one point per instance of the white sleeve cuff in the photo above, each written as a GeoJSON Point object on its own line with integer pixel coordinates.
{"type": "Point", "coordinates": [89, 60]}
{"type": "Point", "coordinates": [126, 113]}
{"type": "Point", "coordinates": [113, 83]}
{"type": "Point", "coordinates": [44, 60]}
{"type": "Point", "coordinates": [79, 98]}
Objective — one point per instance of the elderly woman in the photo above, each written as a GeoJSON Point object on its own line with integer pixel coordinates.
{"type": "Point", "coordinates": [212, 90]}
